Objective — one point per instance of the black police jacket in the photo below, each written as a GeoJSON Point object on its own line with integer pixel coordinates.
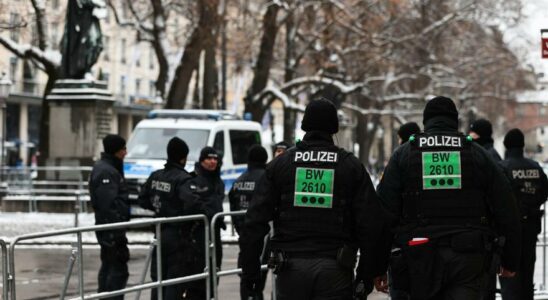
{"type": "Point", "coordinates": [167, 192]}
{"type": "Point", "coordinates": [528, 181]}
{"type": "Point", "coordinates": [108, 190]}
{"type": "Point", "coordinates": [487, 144]}
{"type": "Point", "coordinates": [504, 215]}
{"type": "Point", "coordinates": [314, 215]}
{"type": "Point", "coordinates": [242, 191]}
{"type": "Point", "coordinates": [210, 189]}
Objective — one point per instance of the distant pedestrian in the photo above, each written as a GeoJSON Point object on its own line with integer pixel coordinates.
{"type": "Point", "coordinates": [530, 189]}
{"type": "Point", "coordinates": [481, 131]}
{"type": "Point", "coordinates": [407, 130]}
{"type": "Point", "coordinates": [109, 197]}
{"type": "Point", "coordinates": [240, 196]}
{"type": "Point", "coordinates": [280, 148]}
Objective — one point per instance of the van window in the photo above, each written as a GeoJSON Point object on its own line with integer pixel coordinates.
{"type": "Point", "coordinates": [150, 143]}
{"type": "Point", "coordinates": [219, 143]}
{"type": "Point", "coordinates": [241, 141]}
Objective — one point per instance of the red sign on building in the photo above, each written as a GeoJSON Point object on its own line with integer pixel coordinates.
{"type": "Point", "coordinates": [544, 41]}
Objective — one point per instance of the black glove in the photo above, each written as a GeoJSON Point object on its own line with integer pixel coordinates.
{"type": "Point", "coordinates": [362, 288]}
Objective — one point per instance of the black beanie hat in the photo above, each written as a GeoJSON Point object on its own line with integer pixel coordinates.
{"type": "Point", "coordinates": [440, 106]}
{"type": "Point", "coordinates": [257, 154]}
{"type": "Point", "coordinates": [113, 143]}
{"type": "Point", "coordinates": [208, 152]}
{"type": "Point", "coordinates": [177, 149]}
{"type": "Point", "coordinates": [408, 129]}
{"type": "Point", "coordinates": [514, 139]}
{"type": "Point", "coordinates": [282, 145]}
{"type": "Point", "coordinates": [482, 127]}
{"type": "Point", "coordinates": [320, 115]}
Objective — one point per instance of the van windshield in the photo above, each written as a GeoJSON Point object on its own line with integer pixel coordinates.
{"type": "Point", "coordinates": [151, 143]}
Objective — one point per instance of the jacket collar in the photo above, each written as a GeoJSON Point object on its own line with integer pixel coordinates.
{"type": "Point", "coordinates": [514, 153]}
{"type": "Point", "coordinates": [114, 161]}
{"type": "Point", "coordinates": [441, 124]}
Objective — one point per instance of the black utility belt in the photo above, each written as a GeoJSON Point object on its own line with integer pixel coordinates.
{"type": "Point", "coordinates": [473, 241]}
{"type": "Point", "coordinates": [345, 256]}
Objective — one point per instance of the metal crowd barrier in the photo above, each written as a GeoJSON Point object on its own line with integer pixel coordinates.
{"type": "Point", "coordinates": [21, 181]}
{"type": "Point", "coordinates": [215, 275]}
{"type": "Point", "coordinates": [122, 225]}
{"type": "Point", "coordinates": [4, 269]}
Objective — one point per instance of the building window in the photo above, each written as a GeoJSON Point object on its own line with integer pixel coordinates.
{"type": "Point", "coordinates": [137, 86]}
{"type": "Point", "coordinates": [13, 68]}
{"type": "Point", "coordinates": [104, 76]}
{"type": "Point", "coordinates": [219, 143]}
{"type": "Point", "coordinates": [55, 35]}
{"type": "Point", "coordinates": [151, 58]}
{"type": "Point", "coordinates": [137, 57]}
{"type": "Point", "coordinates": [125, 9]}
{"type": "Point", "coordinates": [106, 46]}
{"type": "Point", "coordinates": [123, 51]}
{"type": "Point", "coordinates": [123, 85]}
{"type": "Point", "coordinates": [34, 35]}
{"type": "Point", "coordinates": [14, 21]}
{"type": "Point", "coordinates": [152, 88]}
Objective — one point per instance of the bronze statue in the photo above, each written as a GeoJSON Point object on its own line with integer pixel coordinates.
{"type": "Point", "coordinates": [82, 39]}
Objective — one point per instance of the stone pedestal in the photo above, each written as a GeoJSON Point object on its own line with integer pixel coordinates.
{"type": "Point", "coordinates": [80, 116]}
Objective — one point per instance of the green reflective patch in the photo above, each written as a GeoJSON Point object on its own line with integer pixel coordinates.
{"type": "Point", "coordinates": [441, 170]}
{"type": "Point", "coordinates": [314, 187]}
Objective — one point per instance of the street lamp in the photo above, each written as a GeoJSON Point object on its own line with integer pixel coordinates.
{"type": "Point", "coordinates": [5, 86]}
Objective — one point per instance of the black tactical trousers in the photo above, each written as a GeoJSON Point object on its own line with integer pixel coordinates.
{"type": "Point", "coordinates": [444, 274]}
{"type": "Point", "coordinates": [196, 290]}
{"type": "Point", "coordinates": [113, 273]}
{"type": "Point", "coordinates": [244, 292]}
{"type": "Point", "coordinates": [173, 252]}
{"type": "Point", "coordinates": [520, 287]}
{"type": "Point", "coordinates": [314, 279]}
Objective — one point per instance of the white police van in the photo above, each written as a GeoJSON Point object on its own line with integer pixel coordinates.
{"type": "Point", "coordinates": [227, 133]}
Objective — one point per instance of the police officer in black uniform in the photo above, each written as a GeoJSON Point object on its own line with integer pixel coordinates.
{"type": "Point", "coordinates": [481, 131]}
{"type": "Point", "coordinates": [530, 188]}
{"type": "Point", "coordinates": [404, 133]}
{"type": "Point", "coordinates": [109, 196]}
{"type": "Point", "coordinates": [240, 195]}
{"type": "Point", "coordinates": [167, 192]}
{"type": "Point", "coordinates": [448, 196]}
{"type": "Point", "coordinates": [210, 189]}
{"type": "Point", "coordinates": [324, 207]}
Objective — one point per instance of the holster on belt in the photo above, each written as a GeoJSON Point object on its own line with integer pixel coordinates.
{"type": "Point", "coordinates": [277, 261]}
{"type": "Point", "coordinates": [346, 257]}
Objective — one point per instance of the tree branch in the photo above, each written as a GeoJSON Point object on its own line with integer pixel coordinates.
{"type": "Point", "coordinates": [41, 23]}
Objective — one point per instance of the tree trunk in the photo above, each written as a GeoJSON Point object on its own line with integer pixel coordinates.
{"type": "Point", "coordinates": [203, 37]}
{"type": "Point", "coordinates": [160, 45]}
{"type": "Point", "coordinates": [211, 80]}
{"type": "Point", "coordinates": [264, 61]}
{"type": "Point", "coordinates": [189, 62]}
{"type": "Point", "coordinates": [290, 118]}
{"type": "Point", "coordinates": [289, 115]}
